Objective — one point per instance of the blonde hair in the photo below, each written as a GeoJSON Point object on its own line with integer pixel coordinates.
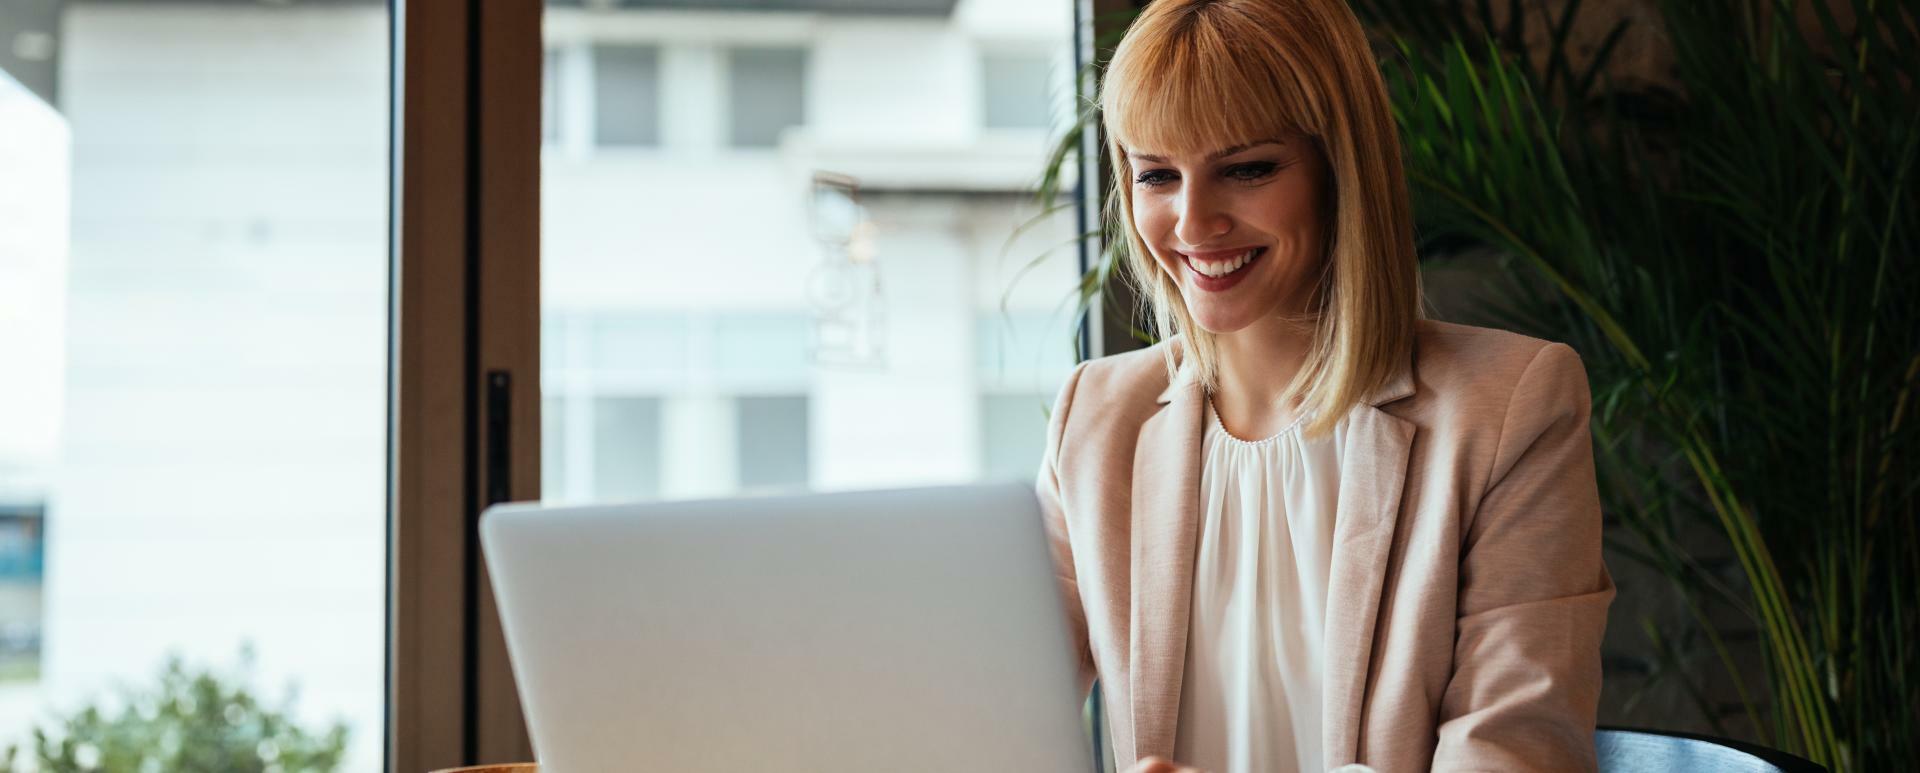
{"type": "Point", "coordinates": [1193, 76]}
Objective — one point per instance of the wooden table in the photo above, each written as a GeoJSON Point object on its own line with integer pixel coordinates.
{"type": "Point", "coordinates": [519, 767]}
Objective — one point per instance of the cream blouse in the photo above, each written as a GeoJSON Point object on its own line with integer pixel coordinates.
{"type": "Point", "coordinates": [1250, 697]}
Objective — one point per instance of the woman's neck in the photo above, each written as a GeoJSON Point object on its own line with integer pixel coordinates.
{"type": "Point", "coordinates": [1256, 364]}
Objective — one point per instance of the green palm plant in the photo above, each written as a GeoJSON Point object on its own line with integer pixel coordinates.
{"type": "Point", "coordinates": [1736, 268]}
{"type": "Point", "coordinates": [1732, 254]}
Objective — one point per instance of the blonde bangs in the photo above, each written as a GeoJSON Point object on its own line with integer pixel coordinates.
{"type": "Point", "coordinates": [1208, 81]}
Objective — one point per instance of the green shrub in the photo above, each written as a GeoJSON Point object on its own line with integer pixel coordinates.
{"type": "Point", "coordinates": [197, 721]}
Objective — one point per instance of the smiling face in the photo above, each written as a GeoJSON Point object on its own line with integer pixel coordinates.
{"type": "Point", "coordinates": [1240, 230]}
{"type": "Point", "coordinates": [1333, 284]}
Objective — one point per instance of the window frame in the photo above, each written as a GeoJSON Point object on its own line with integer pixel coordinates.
{"type": "Point", "coordinates": [465, 307]}
{"type": "Point", "coordinates": [465, 238]}
{"type": "Point", "coordinates": [1108, 328]}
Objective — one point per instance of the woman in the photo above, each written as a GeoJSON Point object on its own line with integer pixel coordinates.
{"type": "Point", "coordinates": [1312, 528]}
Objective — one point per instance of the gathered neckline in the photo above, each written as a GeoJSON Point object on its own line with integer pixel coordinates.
{"type": "Point", "coordinates": [1269, 440]}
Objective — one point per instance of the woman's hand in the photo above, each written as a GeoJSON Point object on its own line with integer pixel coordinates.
{"type": "Point", "coordinates": [1161, 765]}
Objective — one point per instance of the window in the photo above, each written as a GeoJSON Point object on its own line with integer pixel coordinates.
{"type": "Point", "coordinates": [1017, 90]}
{"type": "Point", "coordinates": [626, 95]}
{"type": "Point", "coordinates": [687, 290]}
{"type": "Point", "coordinates": [773, 443]}
{"type": "Point", "coordinates": [654, 347]}
{"type": "Point", "coordinates": [553, 445]}
{"type": "Point", "coordinates": [1020, 349]}
{"type": "Point", "coordinates": [193, 394]}
{"type": "Point", "coordinates": [1013, 429]}
{"type": "Point", "coordinates": [643, 405]}
{"type": "Point", "coordinates": [626, 448]}
{"type": "Point", "coordinates": [761, 349]}
{"type": "Point", "coordinates": [1021, 352]}
{"type": "Point", "coordinates": [22, 556]}
{"type": "Point", "coordinates": [766, 94]}
{"type": "Point", "coordinates": [550, 98]}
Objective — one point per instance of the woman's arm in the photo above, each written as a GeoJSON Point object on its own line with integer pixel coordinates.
{"type": "Point", "coordinates": [1534, 591]}
{"type": "Point", "coordinates": [1047, 484]}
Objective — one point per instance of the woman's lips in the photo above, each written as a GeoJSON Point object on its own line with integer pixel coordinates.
{"type": "Point", "coordinates": [1221, 283]}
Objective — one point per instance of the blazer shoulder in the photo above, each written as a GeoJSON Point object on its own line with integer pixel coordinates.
{"type": "Point", "coordinates": [1123, 377]}
{"type": "Point", "coordinates": [1109, 391]}
{"type": "Point", "coordinates": [1465, 366]}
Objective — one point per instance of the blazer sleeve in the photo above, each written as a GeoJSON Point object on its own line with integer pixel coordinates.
{"type": "Point", "coordinates": [1534, 591]}
{"type": "Point", "coordinates": [1047, 485]}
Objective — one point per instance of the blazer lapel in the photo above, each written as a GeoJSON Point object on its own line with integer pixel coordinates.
{"type": "Point", "coordinates": [1166, 518]}
{"type": "Point", "coordinates": [1373, 471]}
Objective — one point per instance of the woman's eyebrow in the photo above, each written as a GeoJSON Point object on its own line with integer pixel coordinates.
{"type": "Point", "coordinates": [1214, 156]}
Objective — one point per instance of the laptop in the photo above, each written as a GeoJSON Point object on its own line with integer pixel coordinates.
{"type": "Point", "coordinates": [903, 630]}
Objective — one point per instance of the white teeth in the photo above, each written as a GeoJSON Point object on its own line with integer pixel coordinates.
{"type": "Point", "coordinates": [1220, 268]}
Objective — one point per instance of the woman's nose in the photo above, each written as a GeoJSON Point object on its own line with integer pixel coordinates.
{"type": "Point", "coordinates": [1201, 219]}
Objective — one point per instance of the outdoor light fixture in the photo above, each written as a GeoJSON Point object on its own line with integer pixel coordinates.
{"type": "Point", "coordinates": [844, 288]}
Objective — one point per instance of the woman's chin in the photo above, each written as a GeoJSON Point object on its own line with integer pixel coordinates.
{"type": "Point", "coordinates": [1218, 323]}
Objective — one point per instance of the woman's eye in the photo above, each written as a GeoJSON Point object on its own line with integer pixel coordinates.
{"type": "Point", "coordinates": [1153, 177]}
{"type": "Point", "coordinates": [1251, 171]}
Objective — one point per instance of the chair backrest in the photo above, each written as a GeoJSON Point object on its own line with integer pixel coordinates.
{"type": "Point", "coordinates": [1630, 750]}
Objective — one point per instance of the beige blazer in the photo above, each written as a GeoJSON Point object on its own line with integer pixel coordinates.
{"type": "Point", "coordinates": [1467, 595]}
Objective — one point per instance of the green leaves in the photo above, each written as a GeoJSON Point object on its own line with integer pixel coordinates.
{"type": "Point", "coordinates": [1740, 261]}
{"type": "Point", "coordinates": [192, 721]}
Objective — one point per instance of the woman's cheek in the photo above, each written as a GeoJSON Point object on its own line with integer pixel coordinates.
{"type": "Point", "coordinates": [1153, 228]}
{"type": "Point", "coordinates": [1160, 263]}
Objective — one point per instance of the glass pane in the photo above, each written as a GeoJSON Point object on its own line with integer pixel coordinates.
{"type": "Point", "coordinates": [1013, 429]}
{"type": "Point", "coordinates": [1016, 89]}
{"type": "Point", "coordinates": [550, 98]}
{"type": "Point", "coordinates": [773, 443]}
{"type": "Point", "coordinates": [193, 362]}
{"type": "Point", "coordinates": [818, 278]}
{"type": "Point", "coordinates": [626, 447]}
{"type": "Point", "coordinates": [766, 349]}
{"type": "Point", "coordinates": [626, 90]}
{"type": "Point", "coordinates": [766, 93]}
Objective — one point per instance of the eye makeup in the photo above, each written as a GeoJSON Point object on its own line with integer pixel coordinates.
{"type": "Point", "coordinates": [1245, 172]}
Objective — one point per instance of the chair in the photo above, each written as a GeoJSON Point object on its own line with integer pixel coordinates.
{"type": "Point", "coordinates": [1634, 750]}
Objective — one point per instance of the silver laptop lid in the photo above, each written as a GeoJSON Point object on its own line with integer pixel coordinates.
{"type": "Point", "coordinates": [905, 630]}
